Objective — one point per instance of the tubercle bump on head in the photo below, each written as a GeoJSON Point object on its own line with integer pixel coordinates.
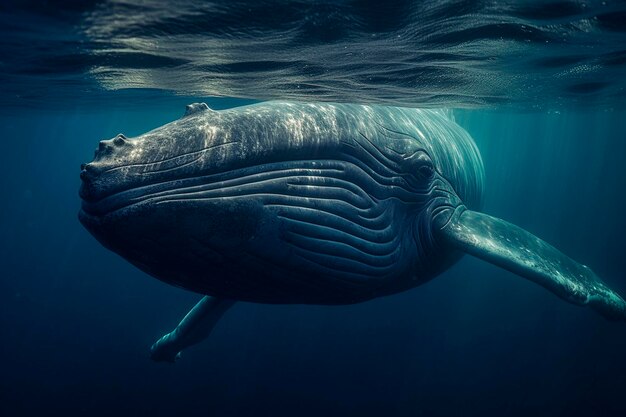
{"type": "Point", "coordinates": [195, 108]}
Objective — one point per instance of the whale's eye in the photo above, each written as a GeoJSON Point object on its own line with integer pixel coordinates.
{"type": "Point", "coordinates": [426, 171]}
{"type": "Point", "coordinates": [423, 165]}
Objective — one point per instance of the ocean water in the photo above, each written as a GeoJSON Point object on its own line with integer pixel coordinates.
{"type": "Point", "coordinates": [538, 85]}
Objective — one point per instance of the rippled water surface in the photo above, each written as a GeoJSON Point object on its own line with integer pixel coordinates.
{"type": "Point", "coordinates": [529, 54]}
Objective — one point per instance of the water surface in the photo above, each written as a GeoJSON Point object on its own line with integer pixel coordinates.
{"type": "Point", "coordinates": [444, 53]}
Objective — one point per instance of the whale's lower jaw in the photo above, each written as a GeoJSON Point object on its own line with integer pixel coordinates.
{"type": "Point", "coordinates": [250, 252]}
{"type": "Point", "coordinates": [318, 232]}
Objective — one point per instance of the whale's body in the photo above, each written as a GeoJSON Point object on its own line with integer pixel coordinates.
{"type": "Point", "coordinates": [286, 203]}
{"type": "Point", "coordinates": [307, 203]}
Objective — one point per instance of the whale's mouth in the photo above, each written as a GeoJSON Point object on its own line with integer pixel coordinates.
{"type": "Point", "coordinates": [346, 180]}
{"type": "Point", "coordinates": [107, 175]}
{"type": "Point", "coordinates": [312, 179]}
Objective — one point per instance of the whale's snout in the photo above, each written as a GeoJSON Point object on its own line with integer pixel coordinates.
{"type": "Point", "coordinates": [86, 192]}
{"type": "Point", "coordinates": [109, 155]}
{"type": "Point", "coordinates": [87, 172]}
{"type": "Point", "coordinates": [108, 147]}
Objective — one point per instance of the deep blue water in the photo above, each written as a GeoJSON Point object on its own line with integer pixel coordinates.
{"type": "Point", "coordinates": [77, 321]}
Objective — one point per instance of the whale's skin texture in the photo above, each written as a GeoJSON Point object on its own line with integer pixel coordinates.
{"type": "Point", "coordinates": [283, 202]}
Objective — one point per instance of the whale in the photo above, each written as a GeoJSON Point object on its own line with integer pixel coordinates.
{"type": "Point", "coordinates": [307, 203]}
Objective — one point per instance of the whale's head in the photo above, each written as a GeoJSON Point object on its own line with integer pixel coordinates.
{"type": "Point", "coordinates": [123, 164]}
{"type": "Point", "coordinates": [284, 202]}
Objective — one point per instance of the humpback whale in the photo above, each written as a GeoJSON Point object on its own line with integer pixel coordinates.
{"type": "Point", "coordinates": [315, 203]}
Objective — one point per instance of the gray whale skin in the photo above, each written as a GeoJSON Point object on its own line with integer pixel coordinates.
{"type": "Point", "coordinates": [283, 202]}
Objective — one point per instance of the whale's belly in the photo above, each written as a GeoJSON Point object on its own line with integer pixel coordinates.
{"type": "Point", "coordinates": [296, 233]}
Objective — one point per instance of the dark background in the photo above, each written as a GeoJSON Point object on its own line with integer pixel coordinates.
{"type": "Point", "coordinates": [76, 321]}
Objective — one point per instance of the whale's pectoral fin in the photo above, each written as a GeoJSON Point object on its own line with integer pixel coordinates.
{"type": "Point", "coordinates": [522, 253]}
{"type": "Point", "coordinates": [195, 327]}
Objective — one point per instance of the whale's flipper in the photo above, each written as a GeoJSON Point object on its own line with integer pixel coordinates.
{"type": "Point", "coordinates": [522, 253]}
{"type": "Point", "coordinates": [195, 327]}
